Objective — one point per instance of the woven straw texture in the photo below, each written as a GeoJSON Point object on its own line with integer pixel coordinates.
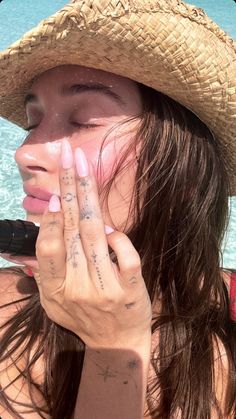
{"type": "Point", "coordinates": [166, 44]}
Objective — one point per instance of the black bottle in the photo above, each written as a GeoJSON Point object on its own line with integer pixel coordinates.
{"type": "Point", "coordinates": [18, 237]}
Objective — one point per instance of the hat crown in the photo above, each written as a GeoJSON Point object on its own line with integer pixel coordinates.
{"type": "Point", "coordinates": [116, 6]}
{"type": "Point", "coordinates": [92, 9]}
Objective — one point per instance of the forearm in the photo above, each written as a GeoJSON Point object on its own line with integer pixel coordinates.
{"type": "Point", "coordinates": [113, 384]}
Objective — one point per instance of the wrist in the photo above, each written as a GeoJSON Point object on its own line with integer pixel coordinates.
{"type": "Point", "coordinates": [140, 345]}
{"type": "Point", "coordinates": [141, 351]}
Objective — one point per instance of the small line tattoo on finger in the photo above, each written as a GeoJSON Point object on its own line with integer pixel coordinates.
{"type": "Point", "coordinates": [129, 305]}
{"type": "Point", "coordinates": [52, 268]}
{"type": "Point", "coordinates": [133, 280]}
{"type": "Point", "coordinates": [74, 251]}
{"type": "Point", "coordinates": [99, 277]}
{"type": "Point", "coordinates": [52, 224]}
{"type": "Point", "coordinates": [94, 257]}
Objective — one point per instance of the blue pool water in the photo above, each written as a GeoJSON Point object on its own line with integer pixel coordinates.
{"type": "Point", "coordinates": [16, 17]}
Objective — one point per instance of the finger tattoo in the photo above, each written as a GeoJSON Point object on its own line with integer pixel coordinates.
{"type": "Point", "coordinates": [52, 268]}
{"type": "Point", "coordinates": [52, 224]}
{"type": "Point", "coordinates": [87, 212]}
{"type": "Point", "coordinates": [74, 251]}
{"type": "Point", "coordinates": [95, 262]}
{"type": "Point", "coordinates": [69, 197]}
{"type": "Point", "coordinates": [67, 179]}
{"type": "Point", "coordinates": [129, 305]}
{"type": "Point", "coordinates": [84, 182]}
{"type": "Point", "coordinates": [133, 280]}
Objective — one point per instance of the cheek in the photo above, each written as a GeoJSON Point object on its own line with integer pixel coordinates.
{"type": "Point", "coordinates": [106, 156]}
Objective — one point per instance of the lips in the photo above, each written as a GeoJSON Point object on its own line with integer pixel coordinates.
{"type": "Point", "coordinates": [36, 200]}
{"type": "Point", "coordinates": [37, 192]}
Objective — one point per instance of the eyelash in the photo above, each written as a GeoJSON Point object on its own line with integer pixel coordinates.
{"type": "Point", "coordinates": [76, 124]}
{"type": "Point", "coordinates": [86, 126]}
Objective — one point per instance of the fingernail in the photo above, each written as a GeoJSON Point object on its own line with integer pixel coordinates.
{"type": "Point", "coordinates": [81, 163]}
{"type": "Point", "coordinates": [66, 155]}
{"type": "Point", "coordinates": [108, 229]}
{"type": "Point", "coordinates": [54, 204]}
{"type": "Point", "coordinates": [29, 272]}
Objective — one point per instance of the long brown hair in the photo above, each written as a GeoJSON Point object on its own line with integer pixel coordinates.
{"type": "Point", "coordinates": [180, 212]}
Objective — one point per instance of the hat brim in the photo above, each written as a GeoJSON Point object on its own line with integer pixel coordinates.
{"type": "Point", "coordinates": [170, 46]}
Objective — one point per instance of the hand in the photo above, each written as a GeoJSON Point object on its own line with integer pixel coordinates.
{"type": "Point", "coordinates": [105, 304]}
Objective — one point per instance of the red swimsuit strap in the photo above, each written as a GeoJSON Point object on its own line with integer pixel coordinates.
{"type": "Point", "coordinates": [233, 295]}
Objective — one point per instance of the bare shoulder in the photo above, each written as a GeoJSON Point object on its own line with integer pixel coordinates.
{"type": "Point", "coordinates": [14, 288]}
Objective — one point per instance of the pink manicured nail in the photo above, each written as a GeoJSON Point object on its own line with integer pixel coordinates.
{"type": "Point", "coordinates": [54, 204]}
{"type": "Point", "coordinates": [66, 155]}
{"type": "Point", "coordinates": [108, 229]}
{"type": "Point", "coordinates": [81, 163]}
{"type": "Point", "coordinates": [29, 271]}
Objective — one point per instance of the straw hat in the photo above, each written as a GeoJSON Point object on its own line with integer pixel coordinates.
{"type": "Point", "coordinates": [165, 44]}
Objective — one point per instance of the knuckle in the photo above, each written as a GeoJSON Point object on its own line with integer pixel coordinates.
{"type": "Point", "coordinates": [110, 303]}
{"type": "Point", "coordinates": [90, 231]}
{"type": "Point", "coordinates": [46, 248]}
{"type": "Point", "coordinates": [119, 236]}
{"type": "Point", "coordinates": [132, 264]}
{"type": "Point", "coordinates": [108, 306]}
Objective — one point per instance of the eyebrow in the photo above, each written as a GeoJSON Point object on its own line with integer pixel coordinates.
{"type": "Point", "coordinates": [75, 89]}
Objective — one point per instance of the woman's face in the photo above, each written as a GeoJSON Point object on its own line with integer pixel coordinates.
{"type": "Point", "coordinates": [81, 105]}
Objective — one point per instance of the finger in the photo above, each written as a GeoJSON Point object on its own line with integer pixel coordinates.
{"type": "Point", "coordinates": [76, 261]}
{"type": "Point", "coordinates": [91, 225]}
{"type": "Point", "coordinates": [68, 188]}
{"type": "Point", "coordinates": [50, 247]}
{"type": "Point", "coordinates": [129, 261]}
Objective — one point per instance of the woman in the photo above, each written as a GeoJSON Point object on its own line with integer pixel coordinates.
{"type": "Point", "coordinates": [128, 314]}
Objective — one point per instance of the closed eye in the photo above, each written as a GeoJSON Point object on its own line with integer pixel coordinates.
{"type": "Point", "coordinates": [76, 124]}
{"type": "Point", "coordinates": [84, 126]}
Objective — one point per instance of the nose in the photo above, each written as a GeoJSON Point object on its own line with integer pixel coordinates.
{"type": "Point", "coordinates": [40, 151]}
{"type": "Point", "coordinates": [38, 157]}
